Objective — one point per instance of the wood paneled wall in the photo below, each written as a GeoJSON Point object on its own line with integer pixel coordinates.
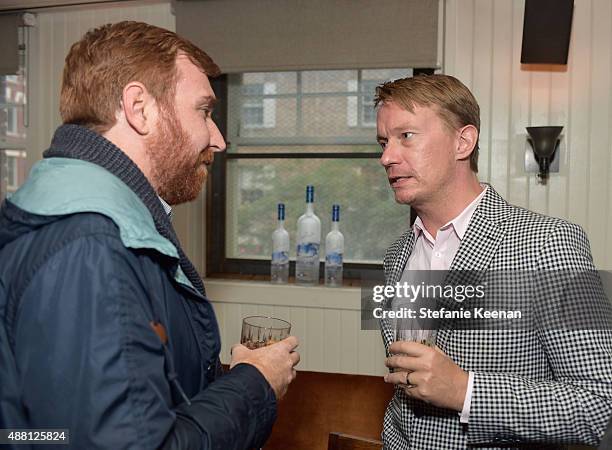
{"type": "Point", "coordinates": [482, 48]}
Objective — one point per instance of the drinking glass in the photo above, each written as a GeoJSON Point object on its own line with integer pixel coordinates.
{"type": "Point", "coordinates": [425, 337]}
{"type": "Point", "coordinates": [260, 331]}
{"type": "Point", "coordinates": [417, 329]}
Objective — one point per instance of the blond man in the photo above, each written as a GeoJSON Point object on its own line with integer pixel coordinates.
{"type": "Point", "coordinates": [536, 387]}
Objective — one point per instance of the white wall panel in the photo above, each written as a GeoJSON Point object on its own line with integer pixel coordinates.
{"type": "Point", "coordinates": [482, 70]}
{"type": "Point", "coordinates": [326, 321]}
{"type": "Point", "coordinates": [579, 113]}
{"type": "Point", "coordinates": [500, 97]}
{"type": "Point", "coordinates": [50, 40]}
{"type": "Point", "coordinates": [599, 177]}
{"type": "Point", "coordinates": [482, 48]}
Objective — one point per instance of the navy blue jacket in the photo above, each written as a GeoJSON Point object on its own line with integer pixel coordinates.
{"type": "Point", "coordinates": [84, 276]}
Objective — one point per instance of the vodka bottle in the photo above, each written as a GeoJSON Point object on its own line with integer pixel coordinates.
{"type": "Point", "coordinates": [308, 242]}
{"type": "Point", "coordinates": [279, 272]}
{"type": "Point", "coordinates": [334, 251]}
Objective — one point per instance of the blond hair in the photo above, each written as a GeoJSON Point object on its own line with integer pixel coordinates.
{"type": "Point", "coordinates": [453, 101]}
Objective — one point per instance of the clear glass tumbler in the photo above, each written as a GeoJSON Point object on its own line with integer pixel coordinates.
{"type": "Point", "coordinates": [260, 331]}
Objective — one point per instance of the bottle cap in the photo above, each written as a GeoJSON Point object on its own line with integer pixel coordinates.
{"type": "Point", "coordinates": [281, 211]}
{"type": "Point", "coordinates": [336, 213]}
{"type": "Point", "coordinates": [309, 194]}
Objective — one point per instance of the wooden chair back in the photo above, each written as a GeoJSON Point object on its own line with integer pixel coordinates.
{"type": "Point", "coordinates": [340, 441]}
{"type": "Point", "coordinates": [320, 403]}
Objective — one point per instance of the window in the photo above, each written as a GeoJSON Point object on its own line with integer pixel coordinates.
{"type": "Point", "coordinates": [360, 108]}
{"type": "Point", "coordinates": [368, 113]}
{"type": "Point", "coordinates": [14, 165]}
{"type": "Point", "coordinates": [324, 134]}
{"type": "Point", "coordinates": [258, 110]}
{"type": "Point", "coordinates": [13, 127]}
{"type": "Point", "coordinates": [12, 103]}
{"type": "Point", "coordinates": [252, 107]}
{"type": "Point", "coordinates": [12, 121]}
{"type": "Point", "coordinates": [11, 172]}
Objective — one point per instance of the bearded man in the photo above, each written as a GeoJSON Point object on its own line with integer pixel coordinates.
{"type": "Point", "coordinates": [105, 328]}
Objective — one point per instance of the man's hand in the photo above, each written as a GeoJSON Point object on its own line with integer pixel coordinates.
{"type": "Point", "coordinates": [276, 362]}
{"type": "Point", "coordinates": [427, 374]}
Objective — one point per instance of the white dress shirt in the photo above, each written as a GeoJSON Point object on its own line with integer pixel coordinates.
{"type": "Point", "coordinates": [437, 253]}
{"type": "Point", "coordinates": [166, 206]}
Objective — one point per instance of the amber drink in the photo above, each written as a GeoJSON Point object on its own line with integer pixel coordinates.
{"type": "Point", "coordinates": [260, 331]}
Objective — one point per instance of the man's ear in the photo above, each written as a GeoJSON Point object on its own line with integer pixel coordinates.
{"type": "Point", "coordinates": [139, 107]}
{"type": "Point", "coordinates": [468, 136]}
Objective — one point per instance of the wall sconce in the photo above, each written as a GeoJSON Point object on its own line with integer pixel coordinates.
{"type": "Point", "coordinates": [544, 141]}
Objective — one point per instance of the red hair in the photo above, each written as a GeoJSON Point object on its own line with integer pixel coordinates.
{"type": "Point", "coordinates": [107, 58]}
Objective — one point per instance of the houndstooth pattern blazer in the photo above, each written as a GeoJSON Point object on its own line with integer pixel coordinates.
{"type": "Point", "coordinates": [532, 389]}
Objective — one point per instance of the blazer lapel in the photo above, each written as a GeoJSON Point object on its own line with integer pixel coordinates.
{"type": "Point", "coordinates": [396, 262]}
{"type": "Point", "coordinates": [483, 235]}
{"type": "Point", "coordinates": [394, 265]}
{"type": "Point", "coordinates": [479, 245]}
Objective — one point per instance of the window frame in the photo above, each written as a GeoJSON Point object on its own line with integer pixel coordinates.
{"type": "Point", "coordinates": [217, 262]}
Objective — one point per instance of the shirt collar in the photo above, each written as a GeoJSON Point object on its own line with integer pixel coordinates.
{"type": "Point", "coordinates": [459, 223]}
{"type": "Point", "coordinates": [418, 227]}
{"type": "Point", "coordinates": [166, 206]}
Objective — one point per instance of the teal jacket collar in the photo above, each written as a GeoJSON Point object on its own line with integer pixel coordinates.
{"type": "Point", "coordinates": [61, 186]}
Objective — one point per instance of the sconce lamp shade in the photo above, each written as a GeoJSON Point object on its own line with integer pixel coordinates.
{"type": "Point", "coordinates": [544, 142]}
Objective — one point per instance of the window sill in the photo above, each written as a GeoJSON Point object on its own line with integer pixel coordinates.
{"type": "Point", "coordinates": [264, 293]}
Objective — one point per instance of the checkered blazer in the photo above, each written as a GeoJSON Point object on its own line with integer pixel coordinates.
{"type": "Point", "coordinates": [533, 388]}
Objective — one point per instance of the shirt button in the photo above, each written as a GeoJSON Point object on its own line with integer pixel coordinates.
{"type": "Point", "coordinates": [438, 255]}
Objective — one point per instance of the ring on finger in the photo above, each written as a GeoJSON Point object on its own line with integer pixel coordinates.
{"type": "Point", "coordinates": [407, 382]}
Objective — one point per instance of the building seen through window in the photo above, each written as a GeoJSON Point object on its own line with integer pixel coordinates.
{"type": "Point", "coordinates": [257, 110]}
{"type": "Point", "coordinates": [13, 166]}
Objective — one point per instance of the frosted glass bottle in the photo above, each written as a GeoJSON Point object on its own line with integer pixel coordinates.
{"type": "Point", "coordinates": [334, 251]}
{"type": "Point", "coordinates": [279, 270]}
{"type": "Point", "coordinates": [308, 243]}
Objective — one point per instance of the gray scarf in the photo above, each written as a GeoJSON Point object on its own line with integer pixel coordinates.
{"type": "Point", "coordinates": [77, 142]}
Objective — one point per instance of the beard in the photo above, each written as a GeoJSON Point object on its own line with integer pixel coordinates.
{"type": "Point", "coordinates": [178, 172]}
